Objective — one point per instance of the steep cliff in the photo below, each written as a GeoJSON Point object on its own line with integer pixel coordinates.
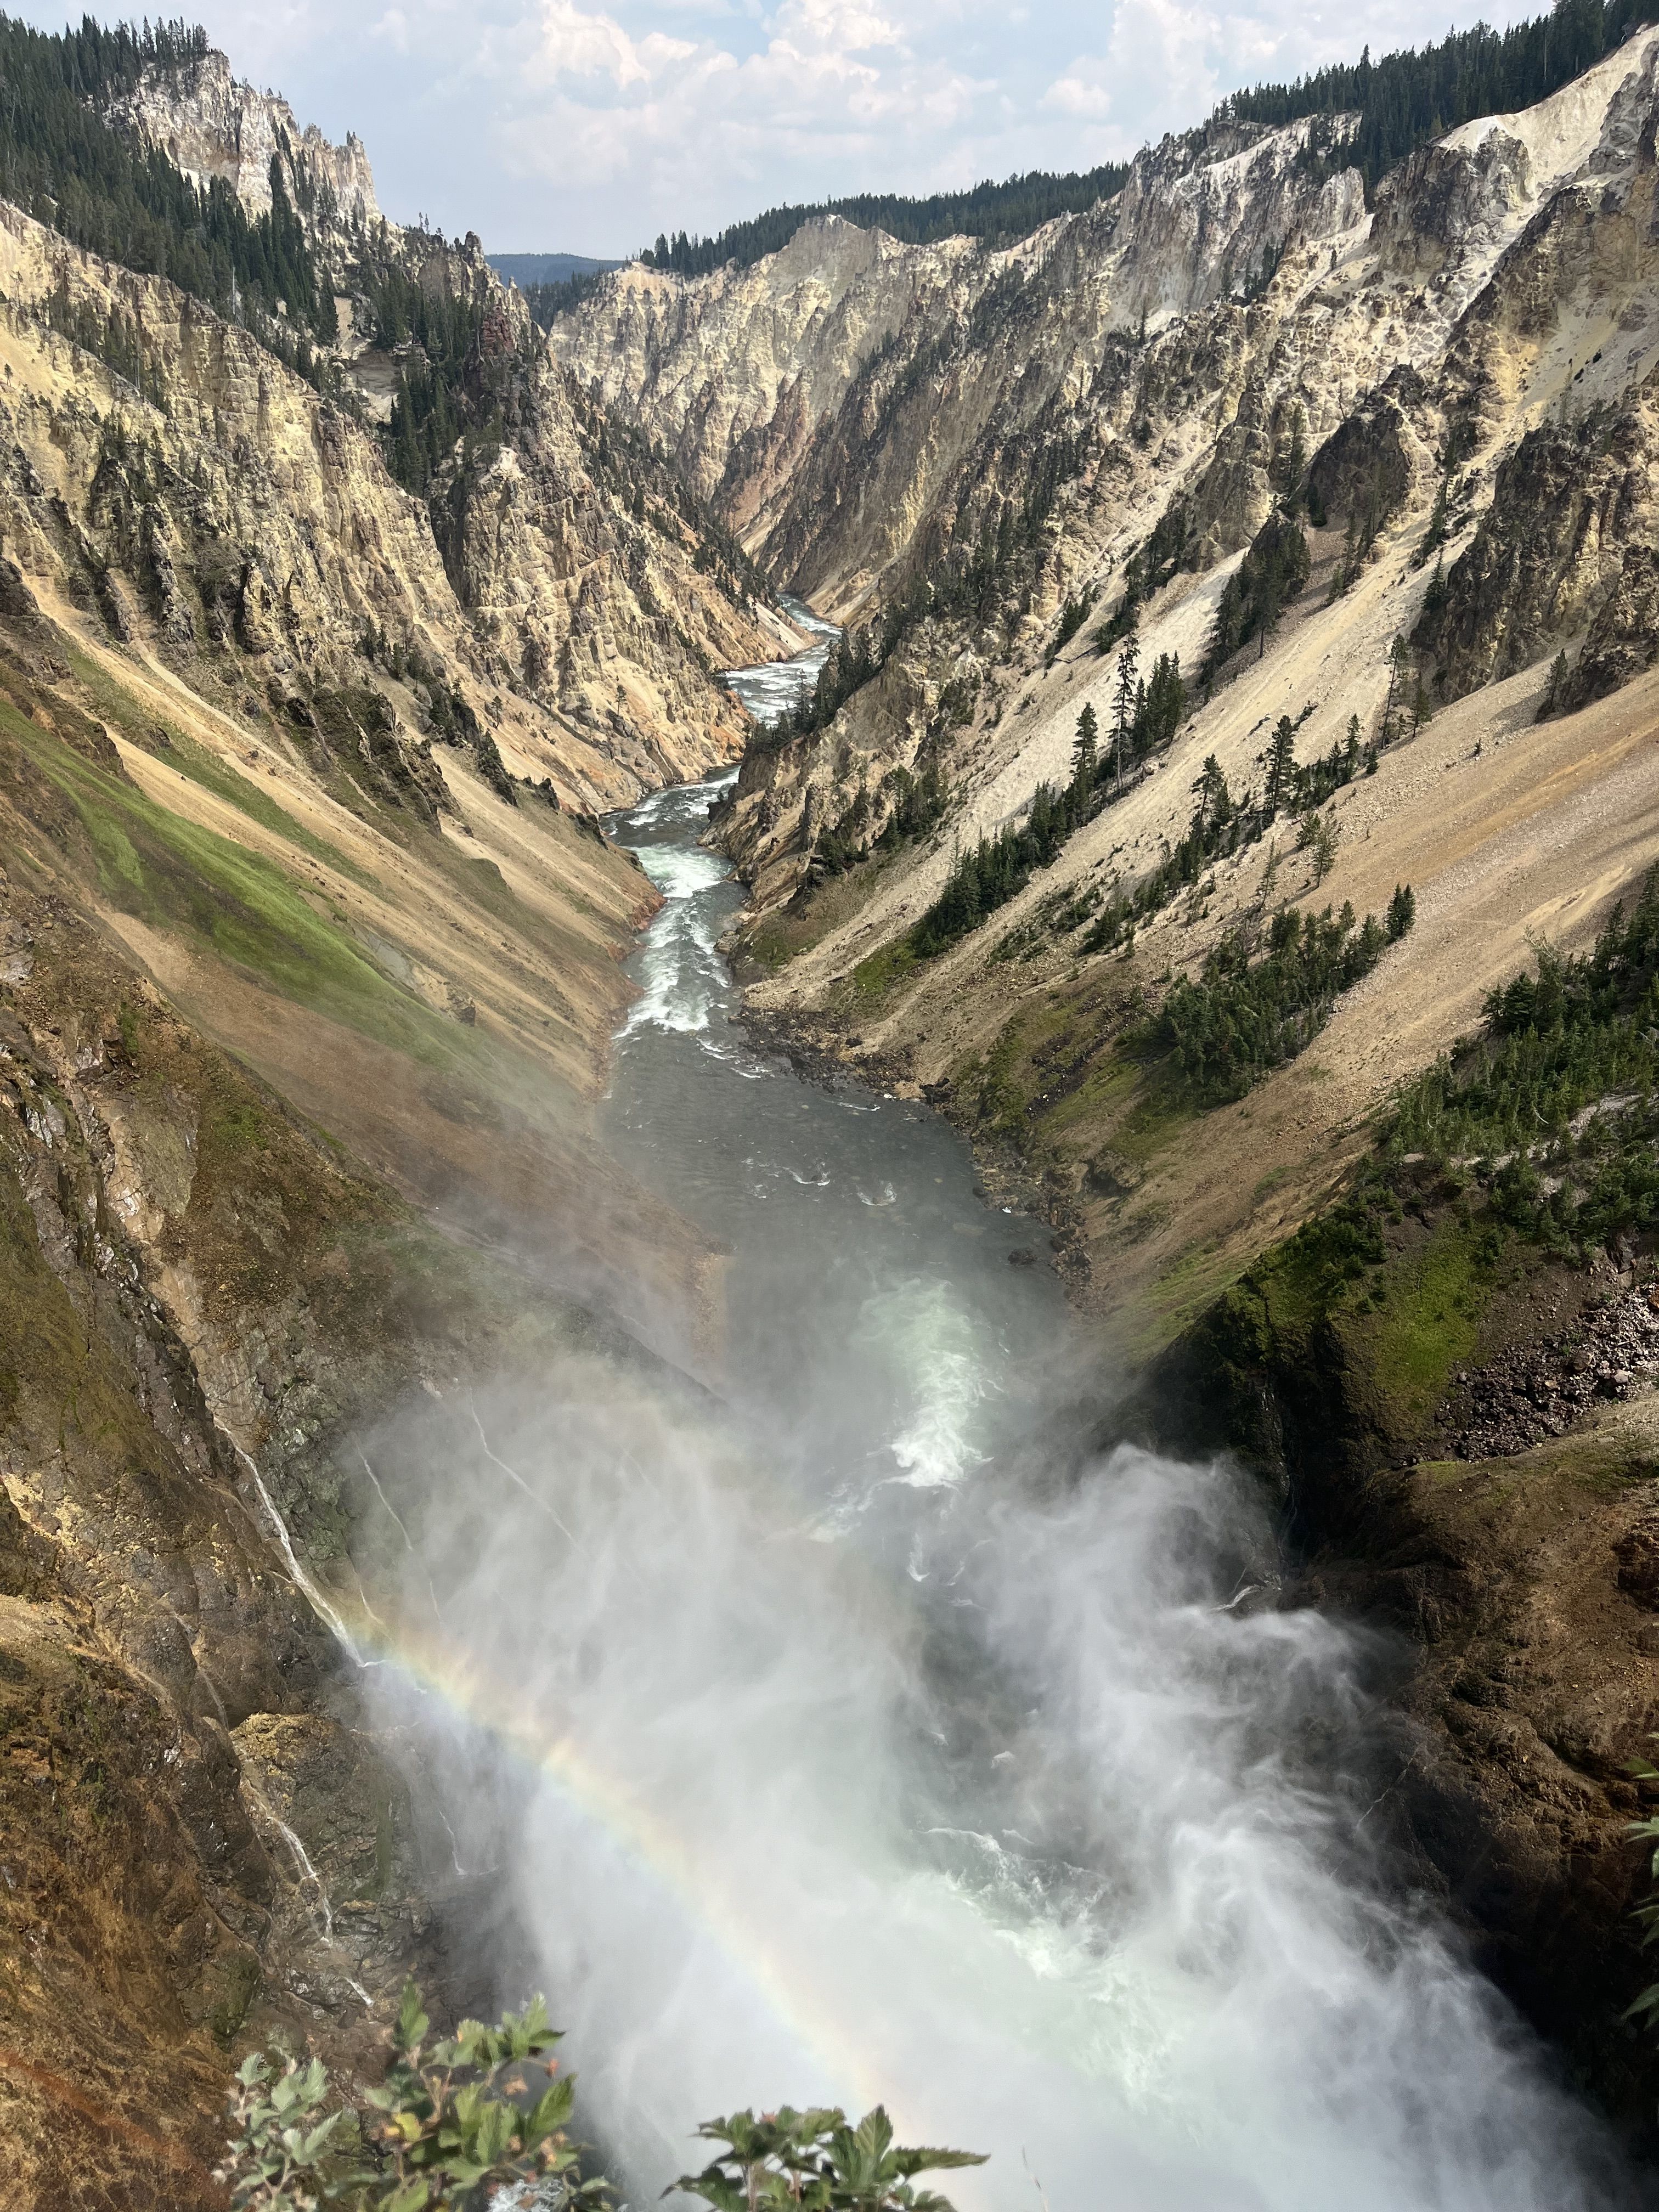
{"type": "Point", "coordinates": [214, 946]}
{"type": "Point", "coordinates": [295, 806]}
{"type": "Point", "coordinates": [1363, 472]}
{"type": "Point", "coordinates": [985, 470]}
{"type": "Point", "coordinates": [209, 125]}
{"type": "Point", "coordinates": [589, 595]}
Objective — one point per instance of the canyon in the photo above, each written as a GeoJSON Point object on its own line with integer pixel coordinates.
{"type": "Point", "coordinates": [350, 1131]}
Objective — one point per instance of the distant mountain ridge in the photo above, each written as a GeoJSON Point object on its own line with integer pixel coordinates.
{"type": "Point", "coordinates": [525, 269]}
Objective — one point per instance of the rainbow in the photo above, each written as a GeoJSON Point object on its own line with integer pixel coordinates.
{"type": "Point", "coordinates": [461, 1682]}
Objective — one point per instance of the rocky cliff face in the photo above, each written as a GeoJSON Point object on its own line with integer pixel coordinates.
{"type": "Point", "coordinates": [211, 126]}
{"type": "Point", "coordinates": [217, 933]}
{"type": "Point", "coordinates": [231, 518]}
{"type": "Point", "coordinates": [296, 782]}
{"type": "Point", "coordinates": [735, 372]}
{"type": "Point", "coordinates": [585, 597]}
{"type": "Point", "coordinates": [1233, 317]}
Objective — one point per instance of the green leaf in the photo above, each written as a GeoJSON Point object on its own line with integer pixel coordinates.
{"type": "Point", "coordinates": [714, 2188]}
{"type": "Point", "coordinates": [875, 2133]}
{"type": "Point", "coordinates": [412, 2197]}
{"type": "Point", "coordinates": [495, 2129]}
{"type": "Point", "coordinates": [315, 2140]}
{"type": "Point", "coordinates": [412, 2022]}
{"type": "Point", "coordinates": [928, 2161]}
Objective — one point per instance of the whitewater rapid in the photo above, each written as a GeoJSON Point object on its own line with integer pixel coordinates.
{"type": "Point", "coordinates": [847, 1726]}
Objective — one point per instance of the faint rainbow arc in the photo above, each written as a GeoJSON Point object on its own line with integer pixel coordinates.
{"type": "Point", "coordinates": [598, 1794]}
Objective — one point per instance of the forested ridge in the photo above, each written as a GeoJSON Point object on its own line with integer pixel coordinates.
{"type": "Point", "coordinates": [1011, 209]}
{"type": "Point", "coordinates": [1403, 101]}
{"type": "Point", "coordinates": [1409, 98]}
{"type": "Point", "coordinates": [64, 165]}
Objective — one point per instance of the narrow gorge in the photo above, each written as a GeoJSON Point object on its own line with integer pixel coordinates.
{"type": "Point", "coordinates": [829, 1146]}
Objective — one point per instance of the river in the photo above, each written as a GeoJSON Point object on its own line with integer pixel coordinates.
{"type": "Point", "coordinates": [876, 1738]}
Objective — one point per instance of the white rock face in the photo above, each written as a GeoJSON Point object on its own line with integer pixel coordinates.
{"type": "Point", "coordinates": [593, 614]}
{"type": "Point", "coordinates": [1166, 350]}
{"type": "Point", "coordinates": [743, 360]}
{"type": "Point", "coordinates": [779, 386]}
{"type": "Point", "coordinates": [211, 126]}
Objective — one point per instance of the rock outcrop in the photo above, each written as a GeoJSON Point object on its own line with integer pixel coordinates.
{"type": "Point", "coordinates": [249, 528]}
{"type": "Point", "coordinates": [1566, 550]}
{"type": "Point", "coordinates": [210, 124]}
{"type": "Point", "coordinates": [590, 602]}
{"type": "Point", "coordinates": [1235, 327]}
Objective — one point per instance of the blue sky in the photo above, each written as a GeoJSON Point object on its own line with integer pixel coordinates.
{"type": "Point", "coordinates": [575, 125]}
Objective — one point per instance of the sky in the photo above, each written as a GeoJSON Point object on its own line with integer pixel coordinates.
{"type": "Point", "coordinates": [551, 126]}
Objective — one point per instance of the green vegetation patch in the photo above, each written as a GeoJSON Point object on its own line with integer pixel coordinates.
{"type": "Point", "coordinates": [1554, 1108]}
{"type": "Point", "coordinates": [206, 768]}
{"type": "Point", "coordinates": [1422, 1320]}
{"type": "Point", "coordinates": [875, 976]}
{"type": "Point", "coordinates": [1533, 1144]}
{"type": "Point", "coordinates": [174, 875]}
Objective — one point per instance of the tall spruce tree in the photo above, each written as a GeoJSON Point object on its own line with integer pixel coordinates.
{"type": "Point", "coordinates": [1082, 751]}
{"type": "Point", "coordinates": [1123, 704]}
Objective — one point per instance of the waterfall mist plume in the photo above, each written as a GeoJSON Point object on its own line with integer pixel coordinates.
{"type": "Point", "coordinates": [987, 1801]}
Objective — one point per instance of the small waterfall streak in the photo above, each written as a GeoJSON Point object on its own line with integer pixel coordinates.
{"type": "Point", "coordinates": [331, 1619]}
{"type": "Point", "coordinates": [319, 1605]}
{"type": "Point", "coordinates": [431, 1588]}
{"type": "Point", "coordinates": [454, 1841]}
{"type": "Point", "coordinates": [302, 1857]}
{"type": "Point", "coordinates": [386, 1501]}
{"type": "Point", "coordinates": [513, 1475]}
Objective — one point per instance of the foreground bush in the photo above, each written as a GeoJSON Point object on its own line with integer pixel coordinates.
{"type": "Point", "coordinates": [459, 2120]}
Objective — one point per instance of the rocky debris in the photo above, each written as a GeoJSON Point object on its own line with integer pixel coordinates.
{"type": "Point", "coordinates": [1540, 1390]}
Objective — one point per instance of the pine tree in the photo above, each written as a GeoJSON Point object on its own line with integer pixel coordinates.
{"type": "Point", "coordinates": [1281, 761]}
{"type": "Point", "coordinates": [1557, 678]}
{"type": "Point", "coordinates": [1082, 751]}
{"type": "Point", "coordinates": [1213, 797]}
{"type": "Point", "coordinates": [1296, 462]}
{"type": "Point", "coordinates": [1399, 667]}
{"type": "Point", "coordinates": [1123, 704]}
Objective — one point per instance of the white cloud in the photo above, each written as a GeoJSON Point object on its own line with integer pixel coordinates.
{"type": "Point", "coordinates": [590, 125]}
{"type": "Point", "coordinates": [1160, 71]}
{"type": "Point", "coordinates": [576, 44]}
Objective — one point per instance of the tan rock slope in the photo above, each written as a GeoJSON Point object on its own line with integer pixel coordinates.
{"type": "Point", "coordinates": [309, 958]}
{"type": "Point", "coordinates": [213, 950]}
{"type": "Point", "coordinates": [574, 589]}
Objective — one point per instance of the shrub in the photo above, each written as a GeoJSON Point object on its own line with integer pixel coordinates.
{"type": "Point", "coordinates": [458, 2123]}
{"type": "Point", "coordinates": [462, 2126]}
{"type": "Point", "coordinates": [816, 2159]}
{"type": "Point", "coordinates": [1240, 1018]}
